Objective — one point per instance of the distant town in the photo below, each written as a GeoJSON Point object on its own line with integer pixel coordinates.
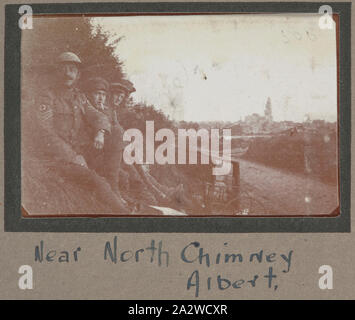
{"type": "Point", "coordinates": [256, 124]}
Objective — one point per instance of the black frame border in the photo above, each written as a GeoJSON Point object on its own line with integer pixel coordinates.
{"type": "Point", "coordinates": [14, 222]}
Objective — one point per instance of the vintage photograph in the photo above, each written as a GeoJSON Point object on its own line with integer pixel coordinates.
{"type": "Point", "coordinates": [179, 115]}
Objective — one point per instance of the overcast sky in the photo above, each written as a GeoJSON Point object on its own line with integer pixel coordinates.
{"type": "Point", "coordinates": [224, 67]}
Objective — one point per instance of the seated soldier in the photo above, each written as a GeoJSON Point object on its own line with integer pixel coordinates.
{"type": "Point", "coordinates": [106, 157]}
{"type": "Point", "coordinates": [57, 131]}
{"type": "Point", "coordinates": [135, 182]}
{"type": "Point", "coordinates": [139, 178]}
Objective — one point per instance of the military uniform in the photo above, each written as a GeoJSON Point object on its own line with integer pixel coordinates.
{"type": "Point", "coordinates": [136, 179]}
{"type": "Point", "coordinates": [106, 161]}
{"type": "Point", "coordinates": [66, 118]}
{"type": "Point", "coordinates": [139, 178]}
{"type": "Point", "coordinates": [58, 131]}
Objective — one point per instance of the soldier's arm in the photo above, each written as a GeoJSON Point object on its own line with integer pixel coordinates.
{"type": "Point", "coordinates": [96, 119]}
{"type": "Point", "coordinates": [53, 144]}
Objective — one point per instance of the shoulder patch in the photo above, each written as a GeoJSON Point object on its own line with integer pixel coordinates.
{"type": "Point", "coordinates": [44, 112]}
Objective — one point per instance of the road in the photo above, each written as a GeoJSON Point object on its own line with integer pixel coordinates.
{"type": "Point", "coordinates": [270, 191]}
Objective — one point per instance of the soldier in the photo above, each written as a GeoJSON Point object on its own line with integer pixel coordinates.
{"type": "Point", "coordinates": [130, 174]}
{"type": "Point", "coordinates": [106, 155]}
{"type": "Point", "coordinates": [139, 177]}
{"type": "Point", "coordinates": [120, 92]}
{"type": "Point", "coordinates": [59, 126]}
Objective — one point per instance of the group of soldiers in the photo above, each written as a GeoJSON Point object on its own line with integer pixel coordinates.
{"type": "Point", "coordinates": [79, 134]}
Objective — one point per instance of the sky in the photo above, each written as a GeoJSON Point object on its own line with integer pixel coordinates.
{"type": "Point", "coordinates": [224, 67]}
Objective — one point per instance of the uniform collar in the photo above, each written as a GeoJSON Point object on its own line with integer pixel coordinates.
{"type": "Point", "coordinates": [103, 108]}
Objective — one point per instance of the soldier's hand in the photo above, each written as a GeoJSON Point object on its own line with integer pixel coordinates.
{"type": "Point", "coordinates": [80, 160]}
{"type": "Point", "coordinates": [99, 140]}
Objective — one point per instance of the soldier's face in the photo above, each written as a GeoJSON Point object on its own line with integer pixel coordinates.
{"type": "Point", "coordinates": [69, 73]}
{"type": "Point", "coordinates": [99, 97]}
{"type": "Point", "coordinates": [118, 98]}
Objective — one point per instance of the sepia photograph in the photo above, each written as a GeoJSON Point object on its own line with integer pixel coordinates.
{"type": "Point", "coordinates": [180, 115]}
{"type": "Point", "coordinates": [163, 151]}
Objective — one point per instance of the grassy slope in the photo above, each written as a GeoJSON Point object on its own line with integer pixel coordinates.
{"type": "Point", "coordinates": [46, 193]}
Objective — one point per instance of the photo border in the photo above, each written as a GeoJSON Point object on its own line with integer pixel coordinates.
{"type": "Point", "coordinates": [15, 222]}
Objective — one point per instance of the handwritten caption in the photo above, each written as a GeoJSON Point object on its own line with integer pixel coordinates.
{"type": "Point", "coordinates": [273, 264]}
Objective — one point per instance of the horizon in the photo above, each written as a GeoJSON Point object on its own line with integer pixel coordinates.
{"type": "Point", "coordinates": [187, 66]}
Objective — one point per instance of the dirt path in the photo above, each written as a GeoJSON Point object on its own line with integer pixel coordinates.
{"type": "Point", "coordinates": [273, 192]}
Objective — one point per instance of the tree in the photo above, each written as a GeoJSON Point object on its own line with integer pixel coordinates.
{"type": "Point", "coordinates": [51, 36]}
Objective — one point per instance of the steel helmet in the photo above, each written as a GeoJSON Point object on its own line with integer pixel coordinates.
{"type": "Point", "coordinates": [69, 57]}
